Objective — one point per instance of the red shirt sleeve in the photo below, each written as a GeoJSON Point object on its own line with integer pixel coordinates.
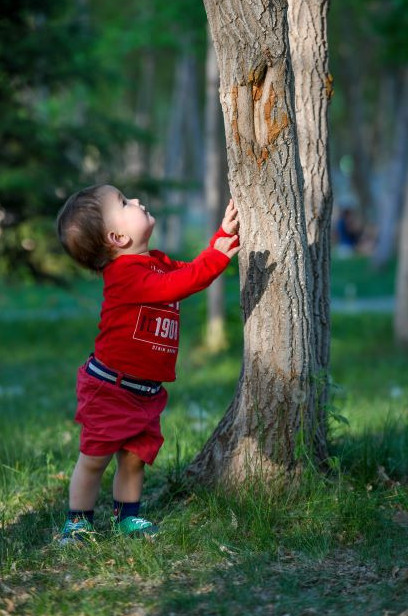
{"type": "Point", "coordinates": [217, 234]}
{"type": "Point", "coordinates": [135, 282]}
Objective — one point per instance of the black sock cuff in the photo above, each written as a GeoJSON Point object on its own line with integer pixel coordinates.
{"type": "Point", "coordinates": [125, 510]}
{"type": "Point", "coordinates": [73, 514]}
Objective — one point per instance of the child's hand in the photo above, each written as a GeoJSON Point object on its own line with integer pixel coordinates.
{"type": "Point", "coordinates": [230, 222]}
{"type": "Point", "coordinates": [228, 245]}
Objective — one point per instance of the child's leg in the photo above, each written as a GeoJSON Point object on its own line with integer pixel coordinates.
{"type": "Point", "coordinates": [128, 481]}
{"type": "Point", "coordinates": [86, 481]}
{"type": "Point", "coordinates": [127, 490]}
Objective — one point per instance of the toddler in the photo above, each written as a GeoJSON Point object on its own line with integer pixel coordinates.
{"type": "Point", "coordinates": [119, 388]}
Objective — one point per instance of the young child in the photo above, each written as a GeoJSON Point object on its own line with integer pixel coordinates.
{"type": "Point", "coordinates": [119, 389]}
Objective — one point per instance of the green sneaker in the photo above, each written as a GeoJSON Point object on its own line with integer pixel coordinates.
{"type": "Point", "coordinates": [135, 526]}
{"type": "Point", "coordinates": [76, 532]}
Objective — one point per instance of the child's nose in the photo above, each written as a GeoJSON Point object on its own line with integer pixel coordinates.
{"type": "Point", "coordinates": [137, 202]}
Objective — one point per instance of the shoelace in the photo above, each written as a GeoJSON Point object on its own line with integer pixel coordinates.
{"type": "Point", "coordinates": [143, 523]}
{"type": "Point", "coordinates": [75, 526]}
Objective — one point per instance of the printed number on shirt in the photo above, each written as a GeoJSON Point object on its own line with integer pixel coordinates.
{"type": "Point", "coordinates": [157, 326]}
{"type": "Point", "coordinates": [166, 328]}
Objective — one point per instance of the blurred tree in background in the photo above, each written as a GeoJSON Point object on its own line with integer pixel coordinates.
{"type": "Point", "coordinates": [369, 59]}
{"type": "Point", "coordinates": [75, 100]}
{"type": "Point", "coordinates": [59, 122]}
{"type": "Point", "coordinates": [92, 91]}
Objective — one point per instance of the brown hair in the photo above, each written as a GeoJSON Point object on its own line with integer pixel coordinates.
{"type": "Point", "coordinates": [81, 229]}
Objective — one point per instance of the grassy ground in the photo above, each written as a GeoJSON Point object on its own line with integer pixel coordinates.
{"type": "Point", "coordinates": [356, 277]}
{"type": "Point", "coordinates": [328, 545]}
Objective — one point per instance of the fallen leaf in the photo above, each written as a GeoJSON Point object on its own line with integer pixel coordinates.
{"type": "Point", "coordinates": [10, 605]}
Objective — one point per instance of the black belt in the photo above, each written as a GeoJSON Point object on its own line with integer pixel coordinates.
{"type": "Point", "coordinates": [142, 388]}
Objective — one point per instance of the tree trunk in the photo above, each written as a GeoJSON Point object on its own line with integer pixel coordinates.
{"type": "Point", "coordinates": [389, 210]}
{"type": "Point", "coordinates": [174, 159]}
{"type": "Point", "coordinates": [401, 311]}
{"type": "Point", "coordinates": [214, 194]}
{"type": "Point", "coordinates": [271, 421]}
{"type": "Point", "coordinates": [184, 148]}
{"type": "Point", "coordinates": [313, 90]}
{"type": "Point", "coordinates": [138, 159]}
{"type": "Point", "coordinates": [353, 86]}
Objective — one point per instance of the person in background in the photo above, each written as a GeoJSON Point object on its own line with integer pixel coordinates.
{"type": "Point", "coordinates": [347, 232]}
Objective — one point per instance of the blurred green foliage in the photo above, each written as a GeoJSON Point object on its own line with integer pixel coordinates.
{"type": "Point", "coordinates": [57, 132]}
{"type": "Point", "coordinates": [69, 85]}
{"type": "Point", "coordinates": [368, 42]}
{"type": "Point", "coordinates": [390, 20]}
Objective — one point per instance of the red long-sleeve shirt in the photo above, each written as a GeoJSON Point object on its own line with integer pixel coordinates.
{"type": "Point", "coordinates": [139, 326]}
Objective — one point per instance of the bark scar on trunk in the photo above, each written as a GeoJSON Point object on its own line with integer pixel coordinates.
{"type": "Point", "coordinates": [257, 91]}
{"type": "Point", "coordinates": [329, 86]}
{"type": "Point", "coordinates": [257, 74]}
{"type": "Point", "coordinates": [263, 157]}
{"type": "Point", "coordinates": [274, 126]}
{"type": "Point", "coordinates": [270, 119]}
{"type": "Point", "coordinates": [234, 119]}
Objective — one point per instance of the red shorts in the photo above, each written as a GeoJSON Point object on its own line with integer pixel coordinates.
{"type": "Point", "coordinates": [113, 418]}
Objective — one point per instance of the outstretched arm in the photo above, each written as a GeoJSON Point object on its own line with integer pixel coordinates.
{"type": "Point", "coordinates": [143, 285]}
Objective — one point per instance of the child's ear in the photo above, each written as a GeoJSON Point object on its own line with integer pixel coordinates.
{"type": "Point", "coordinates": [117, 240]}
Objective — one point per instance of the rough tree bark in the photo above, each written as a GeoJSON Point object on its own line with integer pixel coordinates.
{"type": "Point", "coordinates": [313, 91]}
{"type": "Point", "coordinates": [272, 417]}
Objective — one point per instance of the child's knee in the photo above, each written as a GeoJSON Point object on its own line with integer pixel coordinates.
{"type": "Point", "coordinates": [131, 461]}
{"type": "Point", "coordinates": [94, 463]}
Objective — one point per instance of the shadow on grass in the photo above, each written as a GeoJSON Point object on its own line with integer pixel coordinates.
{"type": "Point", "coordinates": [303, 563]}
{"type": "Point", "coordinates": [97, 581]}
{"type": "Point", "coordinates": [340, 583]}
{"type": "Point", "coordinates": [212, 567]}
{"type": "Point", "coordinates": [376, 456]}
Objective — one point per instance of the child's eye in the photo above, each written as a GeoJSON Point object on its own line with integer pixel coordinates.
{"type": "Point", "coordinates": [124, 202]}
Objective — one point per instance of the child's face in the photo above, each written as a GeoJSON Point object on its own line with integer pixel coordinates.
{"type": "Point", "coordinates": [127, 218]}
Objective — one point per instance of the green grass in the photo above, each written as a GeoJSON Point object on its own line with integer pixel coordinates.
{"type": "Point", "coordinates": [326, 545]}
{"type": "Point", "coordinates": [355, 277]}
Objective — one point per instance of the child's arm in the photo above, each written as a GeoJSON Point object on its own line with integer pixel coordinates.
{"type": "Point", "coordinates": [142, 285]}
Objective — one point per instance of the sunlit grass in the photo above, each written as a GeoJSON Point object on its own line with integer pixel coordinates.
{"type": "Point", "coordinates": [356, 277]}
{"type": "Point", "coordinates": [236, 552]}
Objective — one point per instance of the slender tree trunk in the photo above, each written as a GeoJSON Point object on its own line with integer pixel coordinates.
{"type": "Point", "coordinates": [194, 131]}
{"type": "Point", "coordinates": [389, 210]}
{"type": "Point", "coordinates": [313, 90]}
{"type": "Point", "coordinates": [271, 419]}
{"type": "Point", "coordinates": [184, 148]}
{"type": "Point", "coordinates": [383, 133]}
{"type": "Point", "coordinates": [174, 159]}
{"type": "Point", "coordinates": [353, 90]}
{"type": "Point", "coordinates": [138, 160]}
{"type": "Point", "coordinates": [214, 194]}
{"type": "Point", "coordinates": [401, 311]}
